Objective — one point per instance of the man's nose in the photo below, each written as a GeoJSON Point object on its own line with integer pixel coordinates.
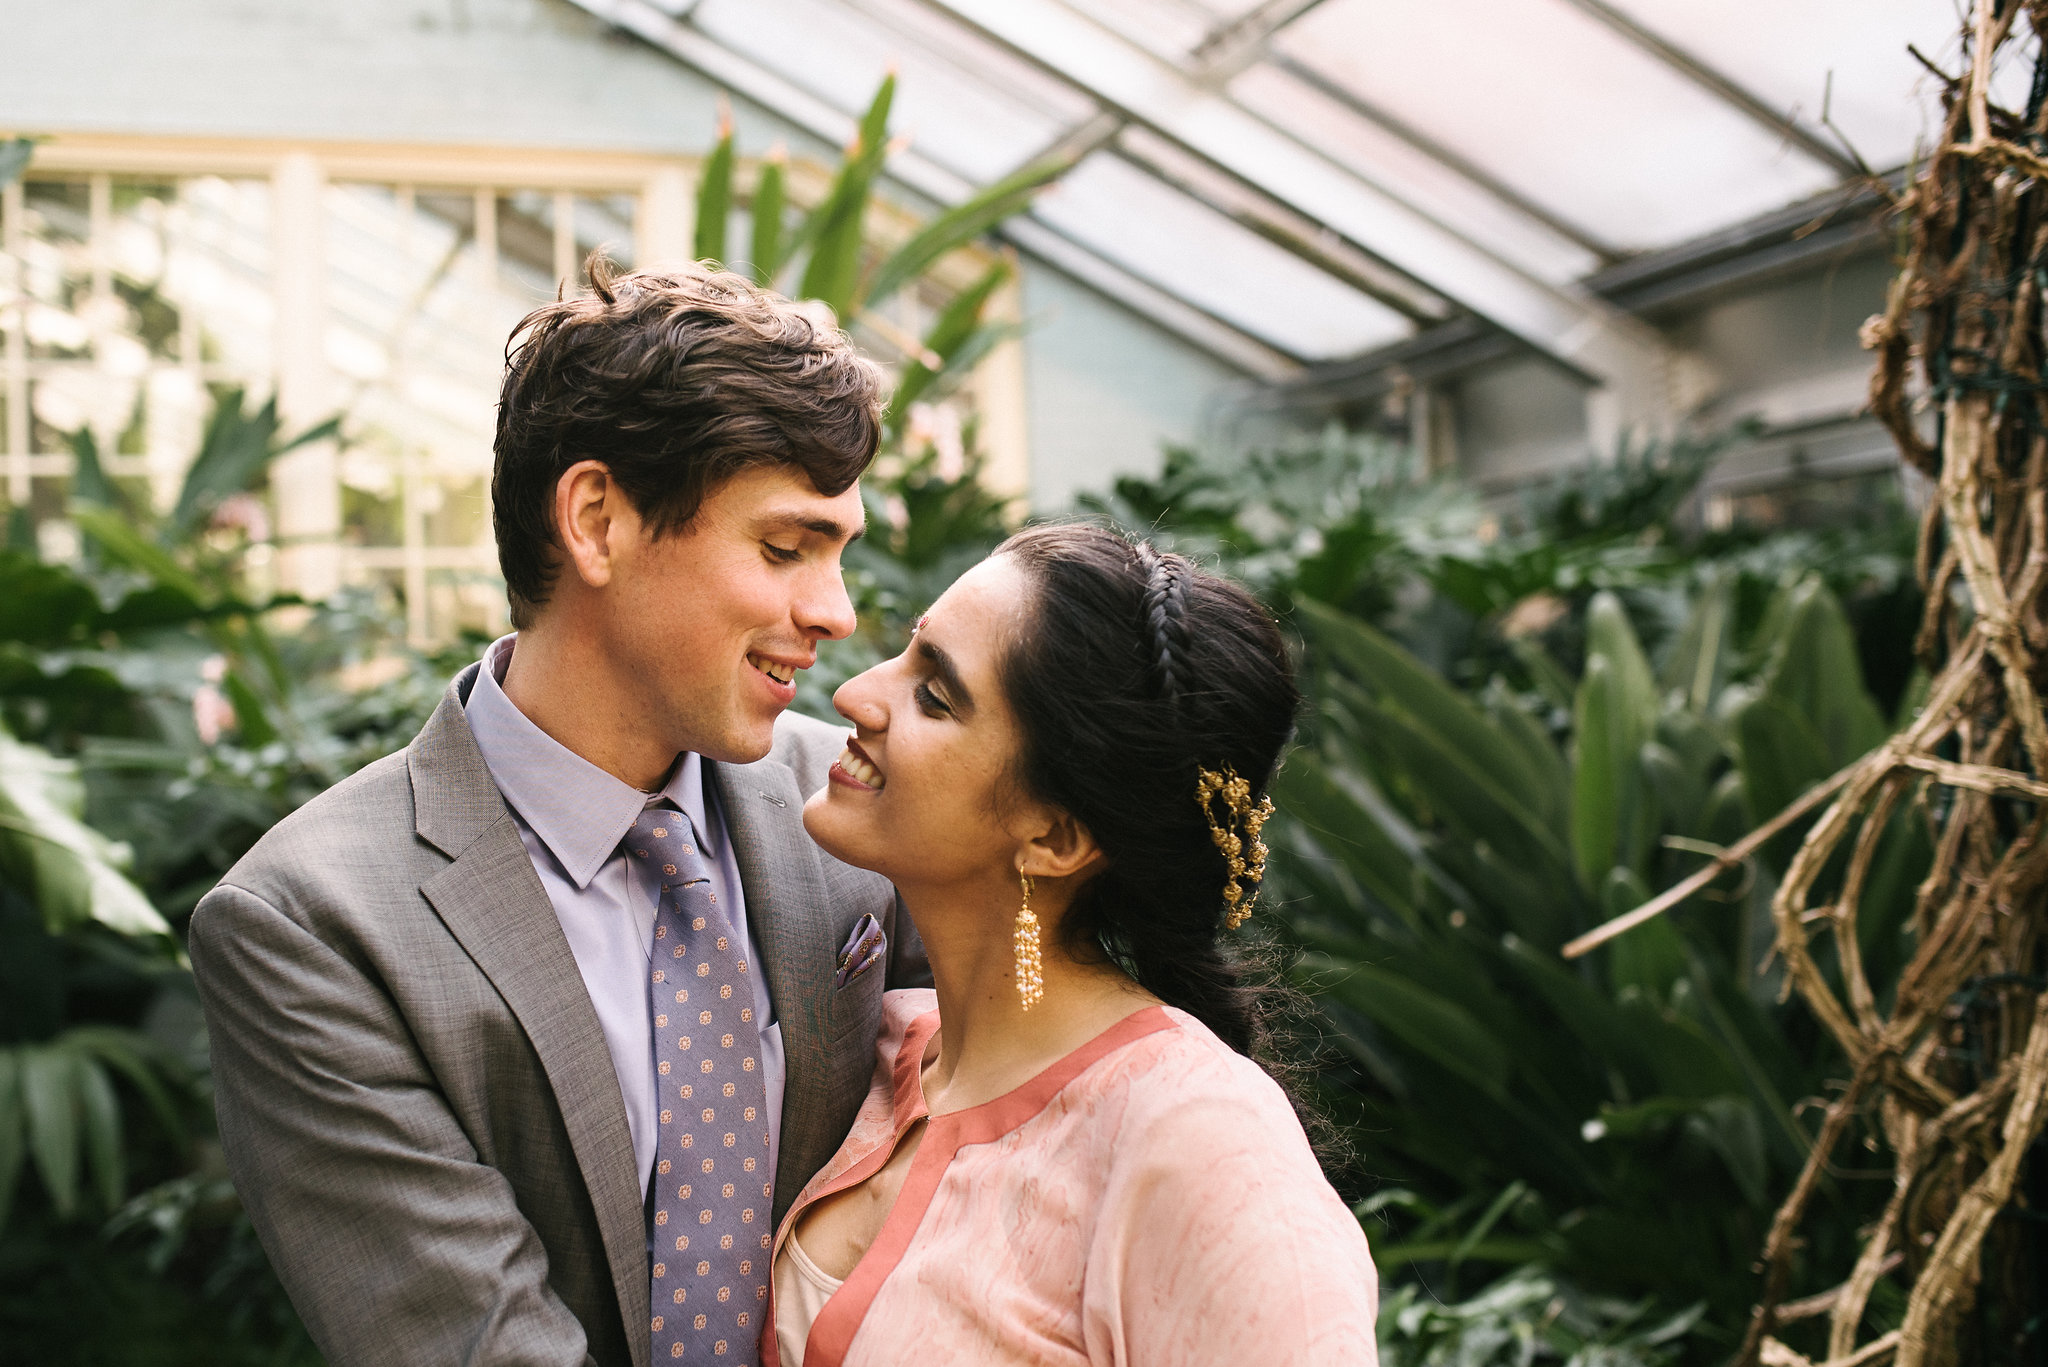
{"type": "Point", "coordinates": [827, 612]}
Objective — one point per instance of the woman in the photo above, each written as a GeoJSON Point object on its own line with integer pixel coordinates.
{"type": "Point", "coordinates": [1082, 1165]}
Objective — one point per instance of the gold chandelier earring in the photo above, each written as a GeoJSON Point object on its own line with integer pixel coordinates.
{"type": "Point", "coordinates": [1030, 967]}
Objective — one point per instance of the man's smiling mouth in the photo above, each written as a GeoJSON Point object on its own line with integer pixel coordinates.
{"type": "Point", "coordinates": [775, 670]}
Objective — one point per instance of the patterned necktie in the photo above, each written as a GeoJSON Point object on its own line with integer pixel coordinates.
{"type": "Point", "coordinates": [712, 1192]}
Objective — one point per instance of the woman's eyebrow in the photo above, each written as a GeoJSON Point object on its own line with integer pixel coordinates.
{"type": "Point", "coordinates": [949, 674]}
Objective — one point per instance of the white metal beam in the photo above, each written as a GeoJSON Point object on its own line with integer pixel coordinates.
{"type": "Point", "coordinates": [1568, 324]}
{"type": "Point", "coordinates": [835, 127]}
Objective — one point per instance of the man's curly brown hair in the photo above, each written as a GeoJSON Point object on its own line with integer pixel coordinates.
{"type": "Point", "coordinates": [676, 380]}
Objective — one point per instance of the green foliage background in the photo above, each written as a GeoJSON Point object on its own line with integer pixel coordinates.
{"type": "Point", "coordinates": [1522, 721]}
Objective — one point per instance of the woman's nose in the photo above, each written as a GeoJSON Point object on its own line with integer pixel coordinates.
{"type": "Point", "coordinates": [859, 700]}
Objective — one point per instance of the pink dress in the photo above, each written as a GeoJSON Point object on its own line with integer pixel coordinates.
{"type": "Point", "coordinates": [1149, 1199]}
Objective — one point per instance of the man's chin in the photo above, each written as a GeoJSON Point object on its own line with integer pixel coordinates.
{"type": "Point", "coordinates": [743, 745]}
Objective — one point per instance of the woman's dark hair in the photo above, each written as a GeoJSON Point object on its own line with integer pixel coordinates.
{"type": "Point", "coordinates": [677, 380]}
{"type": "Point", "coordinates": [1132, 671]}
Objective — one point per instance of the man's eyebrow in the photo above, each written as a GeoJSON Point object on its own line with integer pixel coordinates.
{"type": "Point", "coordinates": [832, 529]}
{"type": "Point", "coordinates": [949, 674]}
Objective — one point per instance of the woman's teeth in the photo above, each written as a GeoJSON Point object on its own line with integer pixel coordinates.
{"type": "Point", "coordinates": [860, 771]}
{"type": "Point", "coordinates": [781, 673]}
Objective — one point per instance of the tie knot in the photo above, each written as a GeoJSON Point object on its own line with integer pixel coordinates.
{"type": "Point", "coordinates": [664, 837]}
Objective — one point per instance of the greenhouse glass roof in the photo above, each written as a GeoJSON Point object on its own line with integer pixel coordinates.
{"type": "Point", "coordinates": [1286, 182]}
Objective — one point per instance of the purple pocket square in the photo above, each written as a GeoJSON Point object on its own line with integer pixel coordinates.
{"type": "Point", "coordinates": [864, 949]}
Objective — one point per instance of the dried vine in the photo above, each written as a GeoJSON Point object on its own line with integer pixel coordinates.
{"type": "Point", "coordinates": [1953, 1079]}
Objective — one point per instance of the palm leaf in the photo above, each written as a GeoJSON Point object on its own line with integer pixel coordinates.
{"type": "Point", "coordinates": [960, 225]}
{"type": "Point", "coordinates": [834, 230]}
{"type": "Point", "coordinates": [714, 197]}
{"type": "Point", "coordinates": [60, 864]}
{"type": "Point", "coordinates": [950, 339]}
{"type": "Point", "coordinates": [89, 482]}
{"type": "Point", "coordinates": [49, 1094]}
{"type": "Point", "coordinates": [13, 1130]}
{"type": "Point", "coordinates": [766, 256]}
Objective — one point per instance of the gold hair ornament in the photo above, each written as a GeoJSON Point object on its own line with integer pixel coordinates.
{"type": "Point", "coordinates": [1030, 966]}
{"type": "Point", "coordinates": [1245, 875]}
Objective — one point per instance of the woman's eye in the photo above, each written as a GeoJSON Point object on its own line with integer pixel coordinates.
{"type": "Point", "coordinates": [929, 701]}
{"type": "Point", "coordinates": [787, 555]}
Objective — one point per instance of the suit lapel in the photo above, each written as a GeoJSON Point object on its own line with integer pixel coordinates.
{"type": "Point", "coordinates": [791, 915]}
{"type": "Point", "coordinates": [493, 903]}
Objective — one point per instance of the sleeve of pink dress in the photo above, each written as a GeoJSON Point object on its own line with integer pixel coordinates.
{"type": "Point", "coordinates": [1220, 1241]}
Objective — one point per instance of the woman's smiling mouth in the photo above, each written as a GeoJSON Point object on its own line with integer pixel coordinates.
{"type": "Point", "coordinates": [855, 767]}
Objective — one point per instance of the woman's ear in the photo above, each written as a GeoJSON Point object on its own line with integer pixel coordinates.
{"type": "Point", "coordinates": [588, 509]}
{"type": "Point", "coordinates": [1062, 848]}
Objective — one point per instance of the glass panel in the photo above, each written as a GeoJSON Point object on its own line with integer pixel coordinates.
{"type": "Point", "coordinates": [1786, 55]}
{"type": "Point", "coordinates": [1410, 175]}
{"type": "Point", "coordinates": [1171, 28]}
{"type": "Point", "coordinates": [1183, 246]}
{"type": "Point", "coordinates": [964, 103]}
{"type": "Point", "coordinates": [420, 305]}
{"type": "Point", "coordinates": [136, 295]}
{"type": "Point", "coordinates": [1562, 109]}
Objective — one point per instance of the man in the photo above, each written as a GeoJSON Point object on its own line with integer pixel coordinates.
{"type": "Point", "coordinates": [524, 1039]}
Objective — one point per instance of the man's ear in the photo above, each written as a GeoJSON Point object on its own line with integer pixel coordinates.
{"type": "Point", "coordinates": [1061, 848]}
{"type": "Point", "coordinates": [590, 513]}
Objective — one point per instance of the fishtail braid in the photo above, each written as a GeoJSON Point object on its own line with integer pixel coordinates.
{"type": "Point", "coordinates": [1166, 615]}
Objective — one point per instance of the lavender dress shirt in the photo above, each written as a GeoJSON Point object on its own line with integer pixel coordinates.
{"type": "Point", "coordinates": [571, 816]}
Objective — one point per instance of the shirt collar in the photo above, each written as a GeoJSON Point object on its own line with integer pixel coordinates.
{"type": "Point", "coordinates": [579, 811]}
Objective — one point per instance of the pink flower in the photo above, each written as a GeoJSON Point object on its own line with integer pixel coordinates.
{"type": "Point", "coordinates": [212, 713]}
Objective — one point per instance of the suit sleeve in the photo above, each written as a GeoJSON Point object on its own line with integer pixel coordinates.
{"type": "Point", "coordinates": [395, 1243]}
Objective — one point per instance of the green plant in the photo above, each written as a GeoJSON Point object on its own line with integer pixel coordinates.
{"type": "Point", "coordinates": [1529, 1316]}
{"type": "Point", "coordinates": [1434, 850]}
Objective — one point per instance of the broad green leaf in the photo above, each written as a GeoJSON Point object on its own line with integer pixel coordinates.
{"type": "Point", "coordinates": [956, 325]}
{"type": "Point", "coordinates": [714, 198]}
{"type": "Point", "coordinates": [120, 542]}
{"type": "Point", "coordinates": [59, 863]}
{"type": "Point", "coordinates": [13, 1122]}
{"type": "Point", "coordinates": [960, 225]}
{"type": "Point", "coordinates": [89, 481]}
{"type": "Point", "coordinates": [1591, 1017]}
{"type": "Point", "coordinates": [1782, 755]}
{"type": "Point", "coordinates": [138, 1059]}
{"type": "Point", "coordinates": [1649, 958]}
{"type": "Point", "coordinates": [252, 718]}
{"type": "Point", "coordinates": [1385, 668]}
{"type": "Point", "coordinates": [1685, 1060]}
{"type": "Point", "coordinates": [1433, 1027]}
{"type": "Point", "coordinates": [1601, 771]}
{"type": "Point", "coordinates": [1699, 661]}
{"type": "Point", "coordinates": [1309, 793]}
{"type": "Point", "coordinates": [237, 448]}
{"type": "Point", "coordinates": [42, 605]}
{"type": "Point", "coordinates": [1609, 637]}
{"type": "Point", "coordinates": [1462, 787]}
{"type": "Point", "coordinates": [766, 256]}
{"type": "Point", "coordinates": [836, 228]}
{"type": "Point", "coordinates": [1815, 672]}
{"type": "Point", "coordinates": [49, 1090]}
{"type": "Point", "coordinates": [101, 1117]}
{"type": "Point", "coordinates": [1553, 787]}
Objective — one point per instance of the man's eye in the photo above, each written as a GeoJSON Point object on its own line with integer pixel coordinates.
{"type": "Point", "coordinates": [928, 700]}
{"type": "Point", "coordinates": [787, 555]}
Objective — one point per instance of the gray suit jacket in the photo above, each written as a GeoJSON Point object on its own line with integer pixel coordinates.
{"type": "Point", "coordinates": [415, 1098]}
